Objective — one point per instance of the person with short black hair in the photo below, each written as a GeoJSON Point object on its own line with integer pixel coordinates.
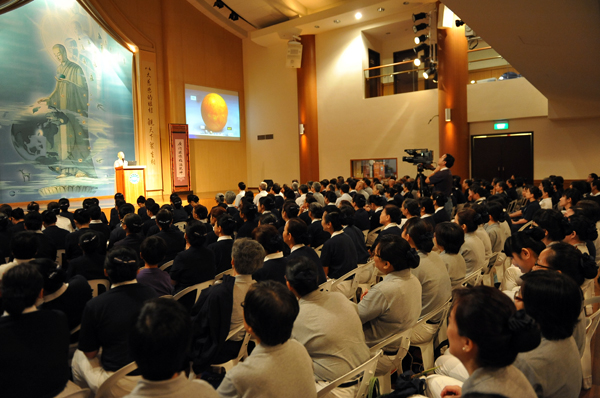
{"type": "Point", "coordinates": [493, 227]}
{"type": "Point", "coordinates": [132, 225]}
{"type": "Point", "coordinates": [118, 233]}
{"type": "Point", "coordinates": [441, 178]}
{"type": "Point", "coordinates": [295, 235]}
{"type": "Point", "coordinates": [533, 195]}
{"type": "Point", "coordinates": [96, 222]}
{"type": "Point", "coordinates": [33, 343]}
{"type": "Point", "coordinates": [56, 234]}
{"type": "Point", "coordinates": [327, 325]}
{"type": "Point", "coordinates": [449, 238]}
{"type": "Point", "coordinates": [195, 264]}
{"type": "Point", "coordinates": [274, 263]}
{"type": "Point", "coordinates": [18, 219]}
{"type": "Point", "coordinates": [223, 229]}
{"type": "Point", "coordinates": [316, 233]}
{"type": "Point", "coordinates": [179, 213]}
{"type": "Point", "coordinates": [82, 221]}
{"type": "Point", "coordinates": [240, 195]}
{"type": "Point", "coordinates": [46, 247]}
{"type": "Point", "coordinates": [152, 210]}
{"type": "Point", "coordinates": [270, 310]}
{"type": "Point", "coordinates": [439, 204]}
{"type": "Point", "coordinates": [338, 255]}
{"type": "Point", "coordinates": [63, 205]}
{"type": "Point", "coordinates": [152, 251]}
{"type": "Point", "coordinates": [219, 310]}
{"type": "Point", "coordinates": [390, 218]}
{"type": "Point", "coordinates": [106, 323]}
{"type": "Point", "coordinates": [23, 246]}
{"type": "Point", "coordinates": [524, 247]}
{"type": "Point", "coordinates": [159, 341]}
{"type": "Point", "coordinates": [248, 214]}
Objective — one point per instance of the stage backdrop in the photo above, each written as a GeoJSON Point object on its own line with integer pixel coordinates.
{"type": "Point", "coordinates": [65, 103]}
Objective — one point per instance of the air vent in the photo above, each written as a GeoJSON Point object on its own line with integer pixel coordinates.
{"type": "Point", "coordinates": [265, 137]}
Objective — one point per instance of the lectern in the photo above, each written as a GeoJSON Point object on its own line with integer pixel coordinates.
{"type": "Point", "coordinates": [131, 182]}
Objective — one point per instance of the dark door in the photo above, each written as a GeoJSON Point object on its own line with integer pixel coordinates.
{"type": "Point", "coordinates": [502, 155]}
{"type": "Point", "coordinates": [405, 82]}
{"type": "Point", "coordinates": [374, 86]}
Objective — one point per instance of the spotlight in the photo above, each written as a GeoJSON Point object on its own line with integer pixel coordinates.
{"type": "Point", "coordinates": [418, 16]}
{"type": "Point", "coordinates": [435, 77]}
{"type": "Point", "coordinates": [420, 26]}
{"type": "Point", "coordinates": [219, 4]}
{"type": "Point", "coordinates": [233, 16]}
{"type": "Point", "coordinates": [420, 60]}
{"type": "Point", "coordinates": [420, 47]}
{"type": "Point", "coordinates": [429, 72]}
{"type": "Point", "coordinates": [459, 23]}
{"type": "Point", "coordinates": [421, 39]}
{"type": "Point", "coordinates": [358, 15]}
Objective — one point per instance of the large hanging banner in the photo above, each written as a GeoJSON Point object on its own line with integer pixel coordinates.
{"type": "Point", "coordinates": [66, 104]}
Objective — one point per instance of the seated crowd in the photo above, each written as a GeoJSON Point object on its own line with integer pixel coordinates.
{"type": "Point", "coordinates": [267, 260]}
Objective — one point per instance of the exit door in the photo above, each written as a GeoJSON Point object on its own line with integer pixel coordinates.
{"type": "Point", "coordinates": [502, 155]}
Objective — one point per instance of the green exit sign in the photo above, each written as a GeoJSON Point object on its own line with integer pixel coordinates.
{"type": "Point", "coordinates": [501, 126]}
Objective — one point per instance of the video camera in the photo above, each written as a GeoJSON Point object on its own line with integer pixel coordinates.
{"type": "Point", "coordinates": [422, 158]}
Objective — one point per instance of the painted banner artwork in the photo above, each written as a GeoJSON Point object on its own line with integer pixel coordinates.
{"type": "Point", "coordinates": [180, 157]}
{"type": "Point", "coordinates": [66, 104]}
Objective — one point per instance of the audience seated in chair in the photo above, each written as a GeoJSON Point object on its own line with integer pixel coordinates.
{"type": "Point", "coordinates": [132, 225]}
{"type": "Point", "coordinates": [90, 264]}
{"type": "Point", "coordinates": [473, 250]}
{"type": "Point", "coordinates": [274, 263]}
{"type": "Point", "coordinates": [224, 229]}
{"type": "Point", "coordinates": [107, 320]}
{"type": "Point", "coordinates": [194, 265]}
{"type": "Point", "coordinates": [23, 246]}
{"type": "Point", "coordinates": [278, 366]}
{"type": "Point", "coordinates": [449, 238]}
{"type": "Point", "coordinates": [159, 341]}
{"type": "Point", "coordinates": [328, 326]}
{"type": "Point", "coordinates": [152, 251]}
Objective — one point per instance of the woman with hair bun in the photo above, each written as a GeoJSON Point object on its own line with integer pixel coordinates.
{"type": "Point", "coordinates": [492, 227]}
{"type": "Point", "coordinates": [394, 304]}
{"type": "Point", "coordinates": [431, 273]}
{"type": "Point", "coordinates": [486, 333]}
{"type": "Point", "coordinates": [524, 247]}
{"type": "Point", "coordinates": [172, 236]}
{"type": "Point", "coordinates": [33, 343]}
{"type": "Point", "coordinates": [196, 264]}
{"type": "Point", "coordinates": [473, 250]}
{"type": "Point", "coordinates": [554, 224]}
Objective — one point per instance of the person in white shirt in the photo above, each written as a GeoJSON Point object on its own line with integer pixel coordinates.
{"type": "Point", "coordinates": [262, 187]}
{"type": "Point", "coordinates": [120, 162]}
{"type": "Point", "coordinates": [547, 193]}
{"type": "Point", "coordinates": [240, 195]}
{"type": "Point", "coordinates": [303, 190]}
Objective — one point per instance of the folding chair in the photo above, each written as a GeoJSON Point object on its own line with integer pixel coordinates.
{"type": "Point", "coordinates": [105, 390]}
{"type": "Point", "coordinates": [346, 285]}
{"type": "Point", "coordinates": [59, 257]}
{"type": "Point", "coordinates": [181, 225]}
{"type": "Point", "coordinates": [586, 359]}
{"type": "Point", "coordinates": [193, 291]}
{"type": "Point", "coordinates": [220, 276]}
{"type": "Point", "coordinates": [166, 265]}
{"type": "Point", "coordinates": [318, 250]}
{"type": "Point", "coordinates": [95, 283]}
{"type": "Point", "coordinates": [364, 372]}
{"type": "Point", "coordinates": [427, 347]}
{"type": "Point", "coordinates": [84, 393]}
{"type": "Point", "coordinates": [403, 341]}
{"type": "Point", "coordinates": [326, 286]}
{"type": "Point", "coordinates": [372, 236]}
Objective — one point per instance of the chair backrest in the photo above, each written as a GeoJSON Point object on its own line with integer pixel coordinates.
{"type": "Point", "coordinates": [84, 393]}
{"type": "Point", "coordinates": [402, 339]}
{"type": "Point", "coordinates": [593, 319]}
{"type": "Point", "coordinates": [365, 371]}
{"type": "Point", "coordinates": [195, 291]}
{"type": "Point", "coordinates": [166, 265]}
{"type": "Point", "coordinates": [220, 276]}
{"type": "Point", "coordinates": [95, 283]}
{"type": "Point", "coordinates": [525, 226]}
{"type": "Point", "coordinates": [492, 262]}
{"type": "Point", "coordinates": [351, 293]}
{"type": "Point", "coordinates": [318, 250]}
{"type": "Point", "coordinates": [59, 257]}
{"type": "Point", "coordinates": [326, 286]}
{"type": "Point", "coordinates": [181, 225]}
{"type": "Point", "coordinates": [371, 236]}
{"type": "Point", "coordinates": [105, 389]}
{"type": "Point", "coordinates": [432, 314]}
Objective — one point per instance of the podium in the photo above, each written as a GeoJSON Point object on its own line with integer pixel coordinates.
{"type": "Point", "coordinates": [131, 182]}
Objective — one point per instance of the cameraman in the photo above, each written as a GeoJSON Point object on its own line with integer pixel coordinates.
{"type": "Point", "coordinates": [441, 178]}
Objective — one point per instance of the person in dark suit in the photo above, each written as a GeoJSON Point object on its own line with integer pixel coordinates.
{"type": "Point", "coordinates": [390, 218]}
{"type": "Point", "coordinates": [90, 264]}
{"type": "Point", "coordinates": [295, 235]}
{"type": "Point", "coordinates": [55, 234]}
{"type": "Point", "coordinates": [114, 212]}
{"type": "Point", "coordinates": [132, 225]}
{"type": "Point", "coordinates": [194, 265]}
{"type": "Point", "coordinates": [46, 247]}
{"type": "Point", "coordinates": [152, 210]}
{"type": "Point", "coordinates": [172, 236]}
{"type": "Point", "coordinates": [248, 215]}
{"type": "Point", "coordinates": [141, 202]}
{"type": "Point", "coordinates": [595, 193]}
{"type": "Point", "coordinates": [222, 247]}
{"type": "Point", "coordinates": [410, 208]}
{"type": "Point", "coordinates": [338, 255]}
{"type": "Point", "coordinates": [5, 237]}
{"type": "Point", "coordinates": [96, 221]}
{"type": "Point", "coordinates": [274, 263]}
{"type": "Point", "coordinates": [64, 204]}
{"type": "Point", "coordinates": [439, 201]}
{"type": "Point", "coordinates": [315, 230]}
{"type": "Point", "coordinates": [18, 220]}
{"type": "Point", "coordinates": [427, 211]}
{"type": "Point", "coordinates": [179, 213]}
{"type": "Point", "coordinates": [279, 199]}
{"type": "Point", "coordinates": [361, 216]}
{"type": "Point", "coordinates": [189, 208]}
{"type": "Point", "coordinates": [290, 210]}
{"type": "Point", "coordinates": [376, 203]}
{"type": "Point", "coordinates": [82, 222]}
{"type": "Point", "coordinates": [118, 232]}
{"type": "Point", "coordinates": [357, 236]}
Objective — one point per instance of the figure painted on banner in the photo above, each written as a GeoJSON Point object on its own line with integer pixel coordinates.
{"type": "Point", "coordinates": [71, 97]}
{"type": "Point", "coordinates": [120, 162]}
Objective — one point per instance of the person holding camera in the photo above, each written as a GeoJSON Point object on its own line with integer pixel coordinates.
{"type": "Point", "coordinates": [441, 178]}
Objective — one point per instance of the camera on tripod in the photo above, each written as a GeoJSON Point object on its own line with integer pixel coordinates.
{"type": "Point", "coordinates": [422, 158]}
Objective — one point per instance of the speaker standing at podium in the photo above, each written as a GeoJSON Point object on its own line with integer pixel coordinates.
{"type": "Point", "coordinates": [120, 162]}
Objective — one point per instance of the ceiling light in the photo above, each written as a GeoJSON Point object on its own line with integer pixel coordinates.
{"type": "Point", "coordinates": [336, 21]}
{"type": "Point", "coordinates": [317, 26]}
{"type": "Point", "coordinates": [420, 47]}
{"type": "Point", "coordinates": [233, 16]}
{"type": "Point", "coordinates": [429, 72]}
{"type": "Point", "coordinates": [418, 16]}
{"type": "Point", "coordinates": [358, 15]}
{"type": "Point", "coordinates": [219, 4]}
{"type": "Point", "coordinates": [420, 26]}
{"type": "Point", "coordinates": [421, 39]}
{"type": "Point", "coordinates": [421, 60]}
{"type": "Point", "coordinates": [381, 9]}
{"type": "Point", "coordinates": [435, 77]}
{"type": "Point", "coordinates": [472, 81]}
{"type": "Point", "coordinates": [417, 61]}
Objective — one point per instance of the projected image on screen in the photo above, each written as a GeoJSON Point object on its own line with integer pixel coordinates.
{"type": "Point", "coordinates": [212, 113]}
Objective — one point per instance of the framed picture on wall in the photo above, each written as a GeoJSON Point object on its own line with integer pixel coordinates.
{"type": "Point", "coordinates": [180, 157]}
